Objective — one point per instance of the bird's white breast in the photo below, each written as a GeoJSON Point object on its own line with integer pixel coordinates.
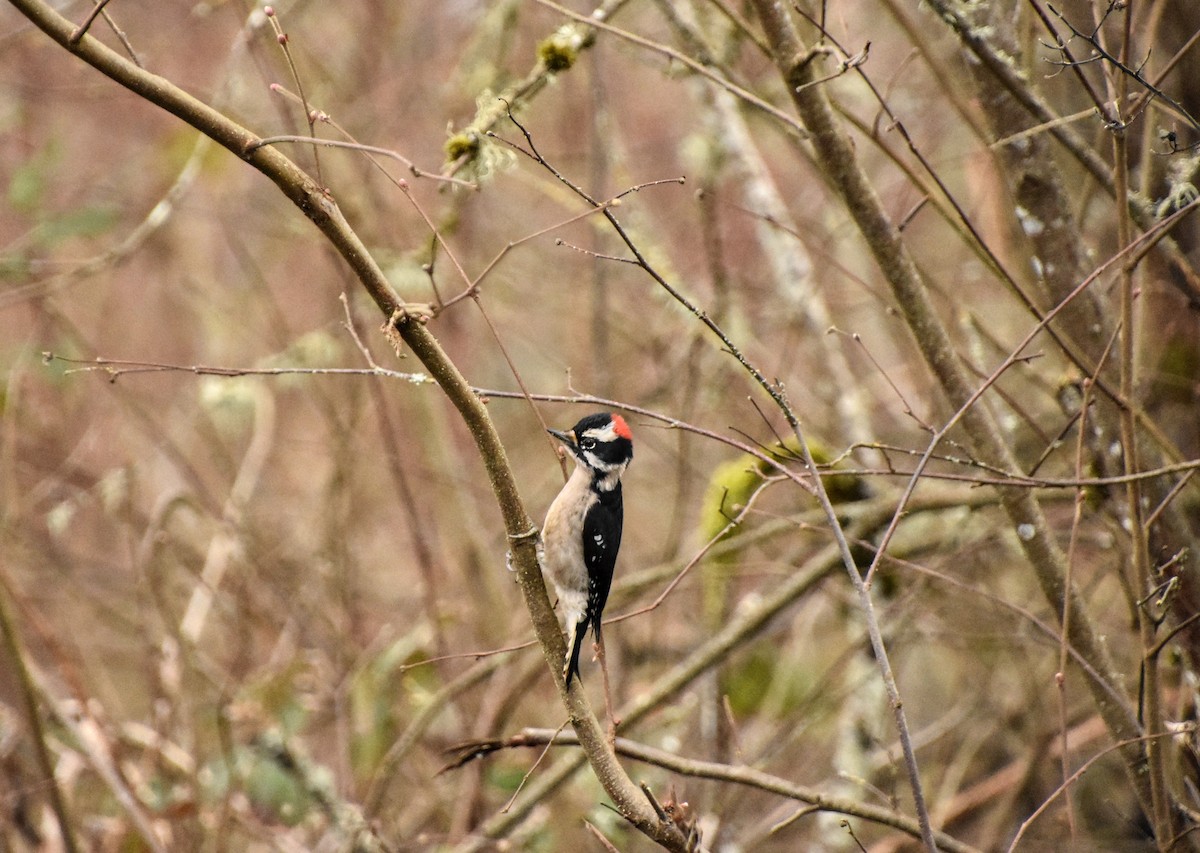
{"type": "Point", "coordinates": [562, 558]}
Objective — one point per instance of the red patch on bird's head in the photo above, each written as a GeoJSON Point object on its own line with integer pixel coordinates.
{"type": "Point", "coordinates": [621, 428]}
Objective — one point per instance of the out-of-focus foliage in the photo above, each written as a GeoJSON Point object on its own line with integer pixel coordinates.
{"type": "Point", "coordinates": [257, 610]}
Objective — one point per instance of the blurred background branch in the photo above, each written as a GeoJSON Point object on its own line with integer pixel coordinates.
{"type": "Point", "coordinates": [939, 259]}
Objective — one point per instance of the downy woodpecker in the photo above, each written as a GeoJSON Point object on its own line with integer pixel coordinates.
{"type": "Point", "coordinates": [582, 533]}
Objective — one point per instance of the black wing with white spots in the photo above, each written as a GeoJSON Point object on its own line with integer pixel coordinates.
{"type": "Point", "coordinates": [601, 541]}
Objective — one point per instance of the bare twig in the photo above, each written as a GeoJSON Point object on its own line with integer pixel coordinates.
{"type": "Point", "coordinates": [87, 22]}
{"type": "Point", "coordinates": [1162, 813]}
{"type": "Point", "coordinates": [735, 774]}
{"type": "Point", "coordinates": [116, 368]}
{"type": "Point", "coordinates": [25, 684]}
{"type": "Point", "coordinates": [310, 115]}
{"type": "Point", "coordinates": [366, 149]}
{"type": "Point", "coordinates": [1121, 63]}
{"type": "Point", "coordinates": [533, 767]}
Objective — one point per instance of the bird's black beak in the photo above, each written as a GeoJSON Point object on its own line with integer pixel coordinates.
{"type": "Point", "coordinates": [567, 437]}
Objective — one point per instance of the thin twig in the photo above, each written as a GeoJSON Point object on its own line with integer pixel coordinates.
{"type": "Point", "coordinates": [533, 767]}
{"type": "Point", "coordinates": [604, 842]}
{"type": "Point", "coordinates": [33, 717]}
{"type": "Point", "coordinates": [1162, 814]}
{"type": "Point", "coordinates": [86, 24]}
{"type": "Point", "coordinates": [1087, 765]}
{"type": "Point", "coordinates": [366, 149]}
{"type": "Point", "coordinates": [1112, 117]}
{"type": "Point", "coordinates": [310, 115]}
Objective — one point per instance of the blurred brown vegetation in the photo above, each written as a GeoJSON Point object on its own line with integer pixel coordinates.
{"type": "Point", "coordinates": [359, 555]}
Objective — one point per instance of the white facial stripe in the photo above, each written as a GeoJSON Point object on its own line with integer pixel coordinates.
{"type": "Point", "coordinates": [604, 433]}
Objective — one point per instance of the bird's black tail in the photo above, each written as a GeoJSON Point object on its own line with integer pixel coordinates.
{"type": "Point", "coordinates": [576, 644]}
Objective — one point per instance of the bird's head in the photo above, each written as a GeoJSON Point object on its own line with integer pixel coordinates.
{"type": "Point", "coordinates": [602, 444]}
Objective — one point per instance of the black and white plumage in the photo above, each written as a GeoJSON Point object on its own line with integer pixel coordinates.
{"type": "Point", "coordinates": [582, 533]}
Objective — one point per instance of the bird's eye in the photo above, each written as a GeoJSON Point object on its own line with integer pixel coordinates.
{"type": "Point", "coordinates": [588, 443]}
